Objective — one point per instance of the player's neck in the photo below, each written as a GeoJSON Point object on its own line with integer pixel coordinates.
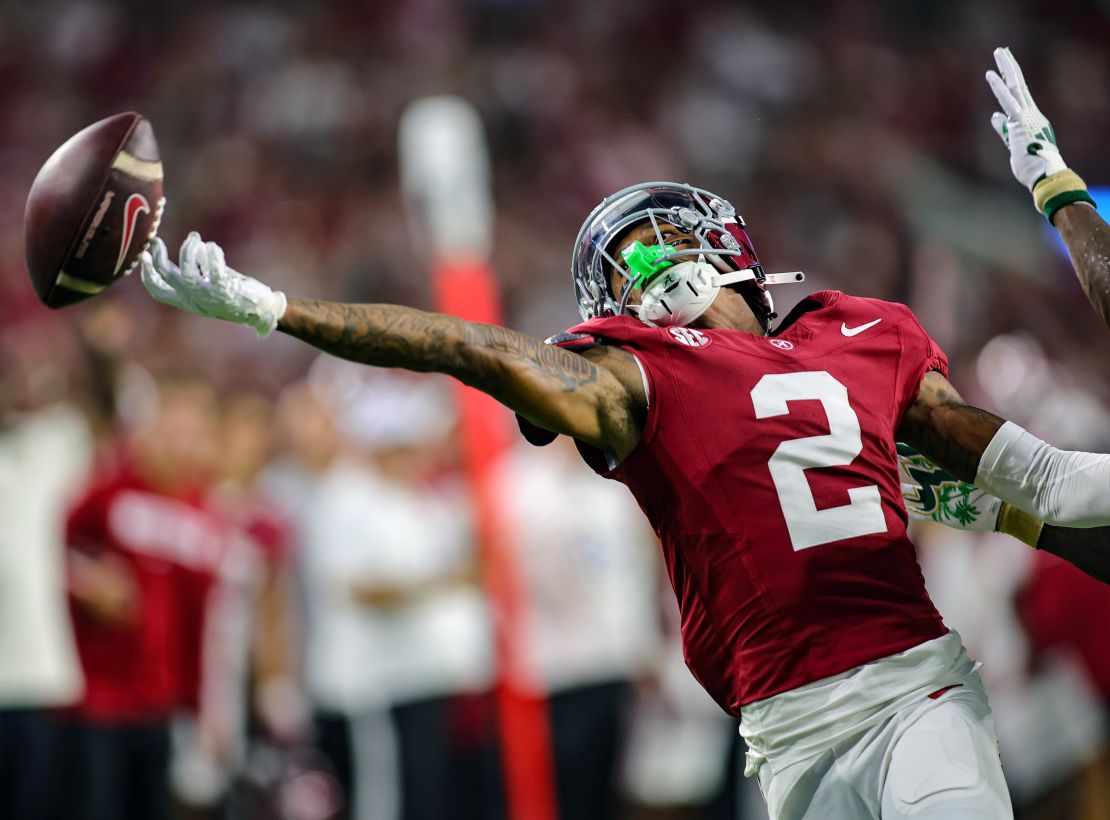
{"type": "Point", "coordinates": [730, 311]}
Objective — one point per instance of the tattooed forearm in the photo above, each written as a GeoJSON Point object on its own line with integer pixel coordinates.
{"type": "Point", "coordinates": [383, 335]}
{"type": "Point", "coordinates": [562, 391]}
{"type": "Point", "coordinates": [1087, 237]}
{"type": "Point", "coordinates": [396, 336]}
{"type": "Point", "coordinates": [1087, 549]}
{"type": "Point", "coordinates": [569, 371]}
{"type": "Point", "coordinates": [950, 432]}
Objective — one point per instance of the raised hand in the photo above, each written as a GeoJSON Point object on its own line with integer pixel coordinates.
{"type": "Point", "coordinates": [1034, 156]}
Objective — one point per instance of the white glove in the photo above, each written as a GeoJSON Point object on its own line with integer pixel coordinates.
{"type": "Point", "coordinates": [1021, 125]}
{"type": "Point", "coordinates": [206, 286]}
{"type": "Point", "coordinates": [1034, 157]}
{"type": "Point", "coordinates": [933, 494]}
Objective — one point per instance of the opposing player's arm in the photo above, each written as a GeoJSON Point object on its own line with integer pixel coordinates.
{"type": "Point", "coordinates": [1087, 549]}
{"type": "Point", "coordinates": [597, 398]}
{"type": "Point", "coordinates": [1069, 491]}
{"type": "Point", "coordinates": [1061, 487]}
{"type": "Point", "coordinates": [1058, 192]}
{"type": "Point", "coordinates": [1087, 237]}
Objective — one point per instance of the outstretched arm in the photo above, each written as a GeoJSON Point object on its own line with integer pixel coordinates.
{"type": "Point", "coordinates": [933, 494]}
{"type": "Point", "coordinates": [598, 397]}
{"type": "Point", "coordinates": [1087, 237]}
{"type": "Point", "coordinates": [1066, 488]}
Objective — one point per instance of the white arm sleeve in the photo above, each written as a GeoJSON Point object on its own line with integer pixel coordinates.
{"type": "Point", "coordinates": [1061, 487]}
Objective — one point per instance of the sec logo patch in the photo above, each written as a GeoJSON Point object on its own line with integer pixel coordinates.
{"type": "Point", "coordinates": [689, 337]}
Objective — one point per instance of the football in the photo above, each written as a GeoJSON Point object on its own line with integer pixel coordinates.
{"type": "Point", "coordinates": [93, 208]}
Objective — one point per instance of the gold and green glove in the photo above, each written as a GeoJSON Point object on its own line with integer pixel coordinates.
{"type": "Point", "coordinates": [931, 493]}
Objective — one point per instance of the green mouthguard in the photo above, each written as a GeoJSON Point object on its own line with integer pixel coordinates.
{"type": "Point", "coordinates": [645, 262]}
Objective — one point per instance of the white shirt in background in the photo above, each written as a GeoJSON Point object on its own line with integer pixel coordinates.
{"type": "Point", "coordinates": [363, 527]}
{"type": "Point", "coordinates": [590, 566]}
{"type": "Point", "coordinates": [43, 457]}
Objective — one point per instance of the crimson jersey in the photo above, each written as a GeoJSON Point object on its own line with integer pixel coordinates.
{"type": "Point", "coordinates": [144, 670]}
{"type": "Point", "coordinates": [767, 468]}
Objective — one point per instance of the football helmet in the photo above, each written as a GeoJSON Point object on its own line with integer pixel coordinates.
{"type": "Point", "coordinates": [677, 284]}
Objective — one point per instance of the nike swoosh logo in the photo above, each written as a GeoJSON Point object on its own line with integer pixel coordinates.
{"type": "Point", "coordinates": [852, 331]}
{"type": "Point", "coordinates": [136, 204]}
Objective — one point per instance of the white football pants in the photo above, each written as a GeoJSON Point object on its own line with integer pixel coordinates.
{"type": "Point", "coordinates": [937, 760]}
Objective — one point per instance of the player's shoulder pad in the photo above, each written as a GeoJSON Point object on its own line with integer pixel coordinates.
{"type": "Point", "coordinates": [863, 306]}
{"type": "Point", "coordinates": [606, 330]}
{"type": "Point", "coordinates": [576, 342]}
{"type": "Point", "coordinates": [857, 311]}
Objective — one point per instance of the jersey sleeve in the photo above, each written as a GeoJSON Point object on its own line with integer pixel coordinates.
{"type": "Point", "coordinates": [568, 340]}
{"type": "Point", "coordinates": [637, 339]}
{"type": "Point", "coordinates": [624, 332]}
{"type": "Point", "coordinates": [920, 354]}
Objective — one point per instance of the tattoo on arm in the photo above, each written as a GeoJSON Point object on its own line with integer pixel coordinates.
{"type": "Point", "coordinates": [946, 429]}
{"type": "Point", "coordinates": [383, 335]}
{"type": "Point", "coordinates": [397, 336]}
{"type": "Point", "coordinates": [1088, 549]}
{"type": "Point", "coordinates": [561, 390]}
{"type": "Point", "coordinates": [569, 371]}
{"type": "Point", "coordinates": [1087, 237]}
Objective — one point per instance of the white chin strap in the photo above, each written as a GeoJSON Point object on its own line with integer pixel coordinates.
{"type": "Point", "coordinates": [682, 293]}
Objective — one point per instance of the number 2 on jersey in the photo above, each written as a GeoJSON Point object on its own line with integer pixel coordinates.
{"type": "Point", "coordinates": [807, 525]}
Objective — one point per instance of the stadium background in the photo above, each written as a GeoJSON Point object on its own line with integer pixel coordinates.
{"type": "Point", "coordinates": [852, 136]}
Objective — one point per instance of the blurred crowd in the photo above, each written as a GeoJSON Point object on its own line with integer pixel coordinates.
{"type": "Point", "coordinates": [229, 604]}
{"type": "Point", "coordinates": [248, 577]}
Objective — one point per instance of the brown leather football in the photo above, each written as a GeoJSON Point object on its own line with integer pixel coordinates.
{"type": "Point", "coordinates": [93, 208]}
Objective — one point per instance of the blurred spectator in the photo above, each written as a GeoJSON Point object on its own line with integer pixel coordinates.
{"type": "Point", "coordinates": [281, 776]}
{"type": "Point", "coordinates": [247, 445]}
{"type": "Point", "coordinates": [143, 550]}
{"type": "Point", "coordinates": [593, 623]}
{"type": "Point", "coordinates": [398, 629]}
{"type": "Point", "coordinates": [685, 756]}
{"type": "Point", "coordinates": [249, 675]}
{"type": "Point", "coordinates": [45, 447]}
{"type": "Point", "coordinates": [1063, 611]}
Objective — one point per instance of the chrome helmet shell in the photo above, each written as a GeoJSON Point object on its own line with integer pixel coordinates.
{"type": "Point", "coordinates": [718, 232]}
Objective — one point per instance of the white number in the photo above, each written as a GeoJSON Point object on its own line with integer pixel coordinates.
{"type": "Point", "coordinates": [807, 525]}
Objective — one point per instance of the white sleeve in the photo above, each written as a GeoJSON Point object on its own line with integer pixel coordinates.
{"type": "Point", "coordinates": [1060, 487]}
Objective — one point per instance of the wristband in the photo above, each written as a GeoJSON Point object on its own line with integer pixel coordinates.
{"type": "Point", "coordinates": [1057, 190]}
{"type": "Point", "coordinates": [1021, 525]}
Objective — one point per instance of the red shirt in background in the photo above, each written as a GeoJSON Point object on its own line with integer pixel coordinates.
{"type": "Point", "coordinates": [144, 669]}
{"type": "Point", "coordinates": [1062, 608]}
{"type": "Point", "coordinates": [270, 532]}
